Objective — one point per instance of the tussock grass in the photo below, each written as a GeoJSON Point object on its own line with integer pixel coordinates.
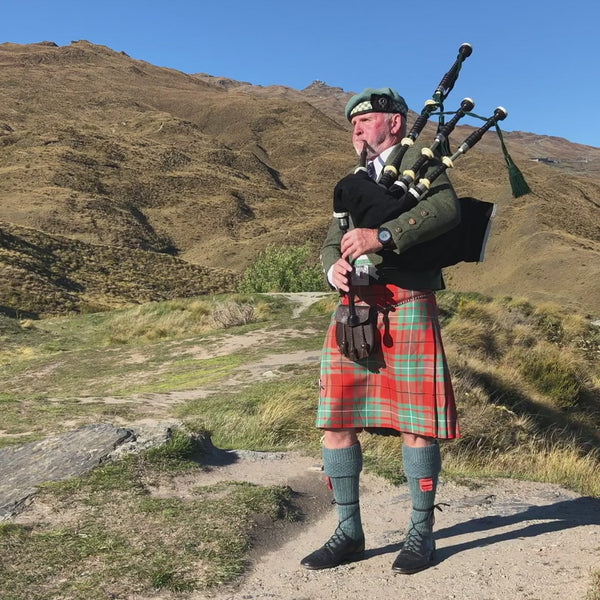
{"type": "Point", "coordinates": [382, 455]}
{"type": "Point", "coordinates": [555, 372]}
{"type": "Point", "coordinates": [532, 458]}
{"type": "Point", "coordinates": [526, 379]}
{"type": "Point", "coordinates": [275, 415]}
{"type": "Point", "coordinates": [474, 337]}
{"type": "Point", "coordinates": [178, 318]}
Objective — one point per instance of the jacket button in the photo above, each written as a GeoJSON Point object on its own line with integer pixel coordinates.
{"type": "Point", "coordinates": [398, 229]}
{"type": "Point", "coordinates": [424, 213]}
{"type": "Point", "coordinates": [412, 221]}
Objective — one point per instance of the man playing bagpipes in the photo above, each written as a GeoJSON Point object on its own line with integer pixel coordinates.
{"type": "Point", "coordinates": [393, 378]}
{"type": "Point", "coordinates": [397, 223]}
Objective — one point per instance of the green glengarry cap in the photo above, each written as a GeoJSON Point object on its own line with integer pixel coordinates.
{"type": "Point", "coordinates": [376, 100]}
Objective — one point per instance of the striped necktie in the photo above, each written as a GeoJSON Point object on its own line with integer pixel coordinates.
{"type": "Point", "coordinates": [371, 170]}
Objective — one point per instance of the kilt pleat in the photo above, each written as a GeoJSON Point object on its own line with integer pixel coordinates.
{"type": "Point", "coordinates": [405, 386]}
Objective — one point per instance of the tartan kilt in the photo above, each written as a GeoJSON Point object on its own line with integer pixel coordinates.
{"type": "Point", "coordinates": [405, 386]}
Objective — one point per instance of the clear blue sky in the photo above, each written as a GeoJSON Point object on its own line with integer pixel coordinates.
{"type": "Point", "coordinates": [540, 60]}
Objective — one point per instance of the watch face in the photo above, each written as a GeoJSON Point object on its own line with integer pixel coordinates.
{"type": "Point", "coordinates": [384, 236]}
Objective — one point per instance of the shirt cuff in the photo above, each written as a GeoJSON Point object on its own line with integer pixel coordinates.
{"type": "Point", "coordinates": [330, 277]}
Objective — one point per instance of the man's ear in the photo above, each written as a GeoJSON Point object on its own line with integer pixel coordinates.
{"type": "Point", "coordinates": [396, 123]}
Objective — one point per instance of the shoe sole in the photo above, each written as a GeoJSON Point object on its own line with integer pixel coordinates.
{"type": "Point", "coordinates": [350, 558]}
{"type": "Point", "coordinates": [411, 571]}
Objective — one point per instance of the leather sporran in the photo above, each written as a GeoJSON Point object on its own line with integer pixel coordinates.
{"type": "Point", "coordinates": [359, 341]}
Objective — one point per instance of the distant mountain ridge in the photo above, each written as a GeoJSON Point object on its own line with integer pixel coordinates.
{"type": "Point", "coordinates": [100, 150]}
{"type": "Point", "coordinates": [332, 101]}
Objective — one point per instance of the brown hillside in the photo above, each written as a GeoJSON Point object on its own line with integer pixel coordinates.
{"type": "Point", "coordinates": [105, 156]}
{"type": "Point", "coordinates": [49, 274]}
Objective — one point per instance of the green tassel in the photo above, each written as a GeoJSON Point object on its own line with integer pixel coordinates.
{"type": "Point", "coordinates": [518, 184]}
{"type": "Point", "coordinates": [445, 145]}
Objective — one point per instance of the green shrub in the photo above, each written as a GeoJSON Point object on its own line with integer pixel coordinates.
{"type": "Point", "coordinates": [283, 269]}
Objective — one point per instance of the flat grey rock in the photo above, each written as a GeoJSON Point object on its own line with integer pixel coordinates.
{"type": "Point", "coordinates": [23, 468]}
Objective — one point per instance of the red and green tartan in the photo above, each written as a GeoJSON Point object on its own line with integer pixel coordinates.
{"type": "Point", "coordinates": [406, 385]}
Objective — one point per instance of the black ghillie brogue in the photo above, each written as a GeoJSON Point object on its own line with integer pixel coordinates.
{"type": "Point", "coordinates": [418, 550]}
{"type": "Point", "coordinates": [417, 554]}
{"type": "Point", "coordinates": [338, 549]}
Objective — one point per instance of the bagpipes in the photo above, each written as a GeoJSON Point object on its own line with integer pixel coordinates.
{"type": "Point", "coordinates": [372, 204]}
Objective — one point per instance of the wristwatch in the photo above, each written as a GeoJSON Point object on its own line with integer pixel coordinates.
{"type": "Point", "coordinates": [384, 237]}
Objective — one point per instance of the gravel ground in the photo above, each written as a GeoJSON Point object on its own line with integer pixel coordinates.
{"type": "Point", "coordinates": [497, 540]}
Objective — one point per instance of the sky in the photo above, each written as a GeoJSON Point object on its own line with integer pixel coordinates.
{"type": "Point", "coordinates": [538, 60]}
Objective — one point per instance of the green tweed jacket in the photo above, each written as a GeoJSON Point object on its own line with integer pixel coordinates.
{"type": "Point", "coordinates": [438, 212]}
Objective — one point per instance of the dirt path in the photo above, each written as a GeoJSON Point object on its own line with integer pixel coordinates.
{"type": "Point", "coordinates": [498, 540]}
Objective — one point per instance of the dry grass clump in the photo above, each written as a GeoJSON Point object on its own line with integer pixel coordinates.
{"type": "Point", "coordinates": [287, 415]}
{"type": "Point", "coordinates": [535, 461]}
{"type": "Point", "coordinates": [231, 314]}
{"type": "Point", "coordinates": [475, 337]}
{"type": "Point", "coordinates": [154, 321]}
{"type": "Point", "coordinates": [382, 455]}
{"type": "Point", "coordinates": [277, 415]}
{"type": "Point", "coordinates": [556, 372]}
{"type": "Point", "coordinates": [177, 318]}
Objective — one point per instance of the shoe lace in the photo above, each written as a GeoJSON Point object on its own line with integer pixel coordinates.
{"type": "Point", "coordinates": [338, 538]}
{"type": "Point", "coordinates": [415, 539]}
{"type": "Point", "coordinates": [356, 504]}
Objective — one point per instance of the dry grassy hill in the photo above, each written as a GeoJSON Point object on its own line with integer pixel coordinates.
{"type": "Point", "coordinates": [121, 181]}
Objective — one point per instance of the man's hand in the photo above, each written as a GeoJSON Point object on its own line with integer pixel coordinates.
{"type": "Point", "coordinates": [340, 272]}
{"type": "Point", "coordinates": [359, 241]}
{"type": "Point", "coordinates": [355, 242]}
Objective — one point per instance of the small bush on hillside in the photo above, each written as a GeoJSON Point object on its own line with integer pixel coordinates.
{"type": "Point", "coordinates": [279, 269]}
